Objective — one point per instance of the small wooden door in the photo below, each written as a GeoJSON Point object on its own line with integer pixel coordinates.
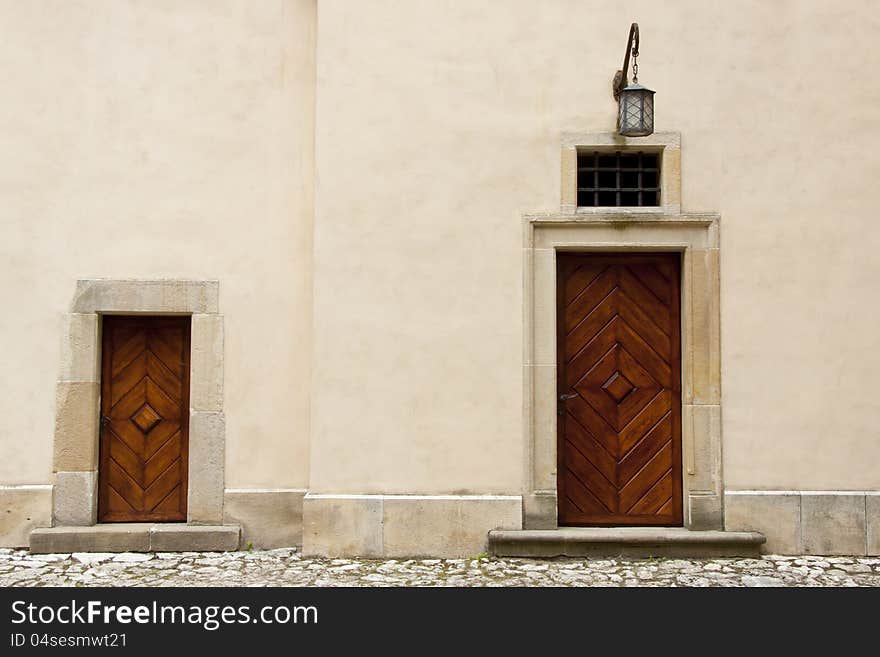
{"type": "Point", "coordinates": [145, 419]}
{"type": "Point", "coordinates": [619, 387]}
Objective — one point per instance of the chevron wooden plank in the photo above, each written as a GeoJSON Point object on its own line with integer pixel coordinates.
{"type": "Point", "coordinates": [645, 478]}
{"type": "Point", "coordinates": [642, 296]}
{"type": "Point", "coordinates": [125, 433]}
{"type": "Point", "coordinates": [170, 503]}
{"type": "Point", "coordinates": [128, 377]}
{"type": "Point", "coordinates": [652, 279]}
{"type": "Point", "coordinates": [127, 459]}
{"type": "Point", "coordinates": [163, 376]}
{"type": "Point", "coordinates": [128, 349]}
{"type": "Point", "coordinates": [584, 304]}
{"type": "Point", "coordinates": [636, 458]}
{"type": "Point", "coordinates": [590, 388]}
{"type": "Point", "coordinates": [162, 403]}
{"type": "Point", "coordinates": [162, 459]}
{"type": "Point", "coordinates": [164, 484]}
{"type": "Point", "coordinates": [591, 353]}
{"type": "Point", "coordinates": [619, 442]}
{"type": "Point", "coordinates": [145, 411]}
{"type": "Point", "coordinates": [642, 388]}
{"type": "Point", "coordinates": [580, 413]}
{"type": "Point", "coordinates": [159, 436]}
{"type": "Point", "coordinates": [129, 403]}
{"type": "Point", "coordinates": [589, 326]}
{"type": "Point", "coordinates": [579, 498]}
{"type": "Point", "coordinates": [116, 504]}
{"type": "Point", "coordinates": [124, 484]}
{"type": "Point", "coordinates": [642, 324]}
{"type": "Point", "coordinates": [652, 413]}
{"type": "Point", "coordinates": [166, 346]}
{"type": "Point", "coordinates": [586, 473]}
{"type": "Point", "coordinates": [579, 279]}
{"type": "Point", "coordinates": [645, 354]}
{"type": "Point", "coordinates": [656, 497]}
{"type": "Point", "coordinates": [593, 450]}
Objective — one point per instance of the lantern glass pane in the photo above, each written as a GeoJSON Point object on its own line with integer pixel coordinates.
{"type": "Point", "coordinates": [636, 114]}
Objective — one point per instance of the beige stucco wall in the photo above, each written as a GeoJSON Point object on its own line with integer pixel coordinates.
{"type": "Point", "coordinates": [438, 125]}
{"type": "Point", "coordinates": [175, 140]}
{"type": "Point", "coordinates": [160, 140]}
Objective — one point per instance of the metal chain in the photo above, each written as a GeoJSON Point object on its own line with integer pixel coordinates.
{"type": "Point", "coordinates": [635, 66]}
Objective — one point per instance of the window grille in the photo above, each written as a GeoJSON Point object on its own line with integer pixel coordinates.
{"type": "Point", "coordinates": [621, 179]}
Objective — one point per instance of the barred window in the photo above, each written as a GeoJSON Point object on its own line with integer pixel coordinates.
{"type": "Point", "coordinates": [618, 179]}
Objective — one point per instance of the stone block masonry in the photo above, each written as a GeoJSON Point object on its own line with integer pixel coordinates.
{"type": "Point", "coordinates": [808, 522]}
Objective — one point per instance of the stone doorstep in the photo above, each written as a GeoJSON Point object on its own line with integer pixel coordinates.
{"type": "Point", "coordinates": [136, 537]}
{"type": "Point", "coordinates": [623, 541]}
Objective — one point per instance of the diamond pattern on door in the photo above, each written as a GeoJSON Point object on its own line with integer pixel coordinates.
{"type": "Point", "coordinates": [145, 414]}
{"type": "Point", "coordinates": [619, 424]}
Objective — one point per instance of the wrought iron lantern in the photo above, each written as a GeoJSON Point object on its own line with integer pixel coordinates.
{"type": "Point", "coordinates": [635, 116]}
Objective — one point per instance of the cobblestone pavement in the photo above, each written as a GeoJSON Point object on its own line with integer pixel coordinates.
{"type": "Point", "coordinates": [285, 567]}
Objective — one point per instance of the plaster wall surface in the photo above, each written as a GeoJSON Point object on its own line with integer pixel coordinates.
{"type": "Point", "coordinates": [161, 140]}
{"type": "Point", "coordinates": [438, 126]}
{"type": "Point", "coordinates": [378, 349]}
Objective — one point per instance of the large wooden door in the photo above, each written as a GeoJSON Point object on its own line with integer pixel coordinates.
{"type": "Point", "coordinates": [145, 419]}
{"type": "Point", "coordinates": [619, 387]}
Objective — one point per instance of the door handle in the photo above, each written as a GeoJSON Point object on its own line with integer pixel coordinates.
{"type": "Point", "coordinates": [560, 411]}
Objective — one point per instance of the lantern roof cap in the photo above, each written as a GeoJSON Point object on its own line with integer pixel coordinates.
{"type": "Point", "coordinates": [637, 87]}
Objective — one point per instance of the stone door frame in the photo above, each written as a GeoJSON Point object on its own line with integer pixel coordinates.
{"type": "Point", "coordinates": [664, 228]}
{"type": "Point", "coordinates": [75, 448]}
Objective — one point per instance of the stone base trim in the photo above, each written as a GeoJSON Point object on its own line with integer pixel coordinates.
{"type": "Point", "coordinates": [540, 510]}
{"type": "Point", "coordinates": [22, 508]}
{"type": "Point", "coordinates": [808, 522]}
{"type": "Point", "coordinates": [135, 537]}
{"type": "Point", "coordinates": [75, 498]}
{"type": "Point", "coordinates": [639, 542]}
{"type": "Point", "coordinates": [269, 517]}
{"type": "Point", "coordinates": [449, 526]}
